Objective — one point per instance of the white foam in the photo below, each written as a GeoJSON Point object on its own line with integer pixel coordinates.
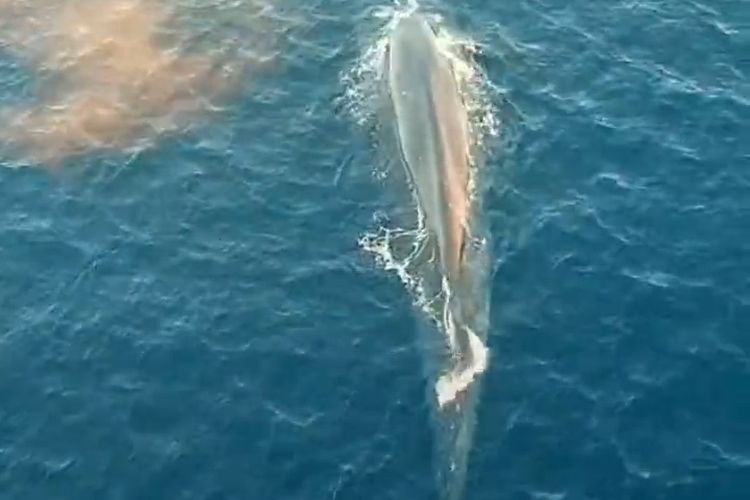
{"type": "Point", "coordinates": [451, 384]}
{"type": "Point", "coordinates": [414, 278]}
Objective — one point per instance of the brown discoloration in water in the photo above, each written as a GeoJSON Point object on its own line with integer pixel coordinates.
{"type": "Point", "coordinates": [115, 80]}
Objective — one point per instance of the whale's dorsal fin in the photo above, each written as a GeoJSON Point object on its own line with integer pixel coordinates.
{"type": "Point", "coordinates": [462, 250]}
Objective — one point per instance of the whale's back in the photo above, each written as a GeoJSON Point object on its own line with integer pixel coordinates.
{"type": "Point", "coordinates": [432, 133]}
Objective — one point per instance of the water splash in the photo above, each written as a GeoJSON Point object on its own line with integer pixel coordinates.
{"type": "Point", "coordinates": [451, 384]}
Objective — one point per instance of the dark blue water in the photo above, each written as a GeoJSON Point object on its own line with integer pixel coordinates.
{"type": "Point", "coordinates": [197, 321]}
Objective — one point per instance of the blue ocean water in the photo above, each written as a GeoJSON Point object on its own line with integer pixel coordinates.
{"type": "Point", "coordinates": [195, 319]}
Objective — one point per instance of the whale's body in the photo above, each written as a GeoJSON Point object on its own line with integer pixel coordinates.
{"type": "Point", "coordinates": [433, 137]}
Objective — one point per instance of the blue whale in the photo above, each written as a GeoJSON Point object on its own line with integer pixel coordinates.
{"type": "Point", "coordinates": [434, 142]}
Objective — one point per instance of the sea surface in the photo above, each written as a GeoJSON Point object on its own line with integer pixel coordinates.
{"type": "Point", "coordinates": [186, 311]}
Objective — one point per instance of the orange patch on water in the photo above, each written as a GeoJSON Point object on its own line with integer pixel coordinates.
{"type": "Point", "coordinates": [111, 75]}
